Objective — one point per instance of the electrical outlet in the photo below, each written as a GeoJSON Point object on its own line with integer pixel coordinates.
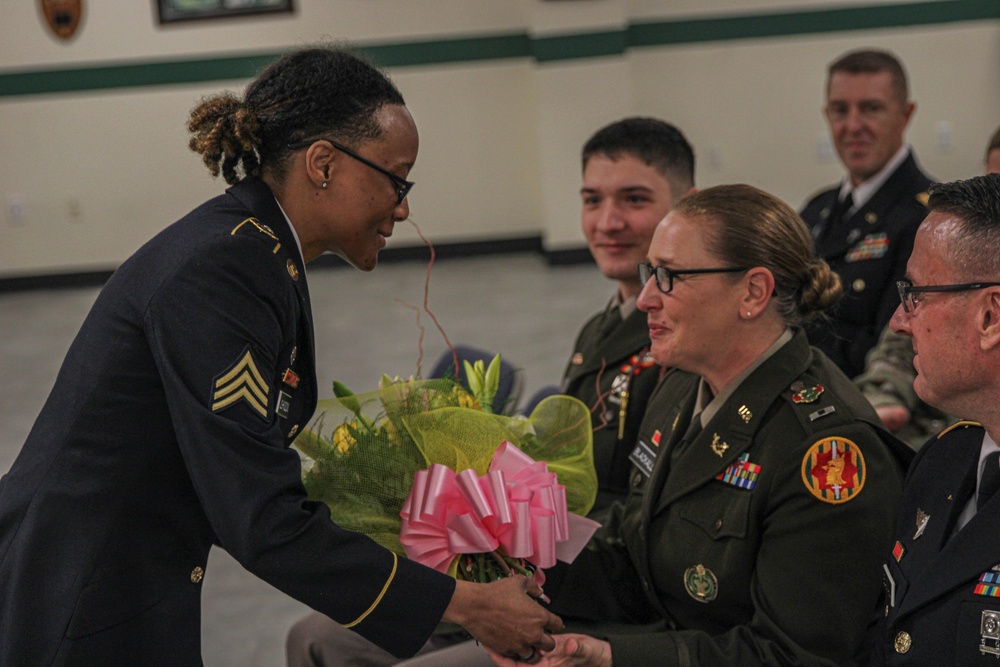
{"type": "Point", "coordinates": [15, 210]}
{"type": "Point", "coordinates": [74, 208]}
{"type": "Point", "coordinates": [824, 148]}
{"type": "Point", "coordinates": [944, 133]}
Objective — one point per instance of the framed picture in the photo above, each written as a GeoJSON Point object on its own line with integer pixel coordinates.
{"type": "Point", "coordinates": [171, 11]}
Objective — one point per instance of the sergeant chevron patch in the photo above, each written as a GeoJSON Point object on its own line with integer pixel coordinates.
{"type": "Point", "coordinates": [241, 381]}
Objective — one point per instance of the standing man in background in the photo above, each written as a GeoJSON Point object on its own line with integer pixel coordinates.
{"type": "Point", "coordinates": [864, 227]}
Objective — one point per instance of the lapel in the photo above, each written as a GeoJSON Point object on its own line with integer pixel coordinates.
{"type": "Point", "coordinates": [974, 550]}
{"type": "Point", "coordinates": [871, 217]}
{"type": "Point", "coordinates": [257, 197]}
{"type": "Point", "coordinates": [613, 350]}
{"type": "Point", "coordinates": [728, 434]}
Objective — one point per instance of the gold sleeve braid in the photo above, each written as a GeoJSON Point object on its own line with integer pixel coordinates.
{"type": "Point", "coordinates": [392, 575]}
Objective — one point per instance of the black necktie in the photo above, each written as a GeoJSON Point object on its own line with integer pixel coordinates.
{"type": "Point", "coordinates": [833, 220]}
{"type": "Point", "coordinates": [692, 432]}
{"type": "Point", "coordinates": [989, 483]}
{"type": "Point", "coordinates": [839, 211]}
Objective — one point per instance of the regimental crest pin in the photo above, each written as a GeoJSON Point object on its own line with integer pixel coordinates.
{"type": "Point", "coordinates": [807, 394]}
{"type": "Point", "coordinates": [718, 445]}
{"type": "Point", "coordinates": [922, 519]}
{"type": "Point", "coordinates": [701, 583]}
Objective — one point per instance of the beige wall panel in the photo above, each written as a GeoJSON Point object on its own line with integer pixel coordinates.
{"type": "Point", "coordinates": [576, 98]}
{"type": "Point", "coordinates": [476, 174]}
{"type": "Point", "coordinates": [115, 30]}
{"type": "Point", "coordinates": [96, 175]}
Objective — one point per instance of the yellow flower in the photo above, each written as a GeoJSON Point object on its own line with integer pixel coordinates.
{"type": "Point", "coordinates": [343, 438]}
{"type": "Point", "coordinates": [467, 400]}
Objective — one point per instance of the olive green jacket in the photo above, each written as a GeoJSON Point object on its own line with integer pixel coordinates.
{"type": "Point", "coordinates": [778, 562]}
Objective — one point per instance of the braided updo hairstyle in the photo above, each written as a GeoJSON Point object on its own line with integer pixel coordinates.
{"type": "Point", "coordinates": [748, 227]}
{"type": "Point", "coordinates": [309, 93]}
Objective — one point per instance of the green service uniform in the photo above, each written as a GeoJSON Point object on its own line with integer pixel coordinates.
{"type": "Point", "coordinates": [888, 380]}
{"type": "Point", "coordinates": [610, 370]}
{"type": "Point", "coordinates": [759, 539]}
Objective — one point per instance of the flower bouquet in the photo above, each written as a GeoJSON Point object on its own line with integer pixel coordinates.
{"type": "Point", "coordinates": [424, 470]}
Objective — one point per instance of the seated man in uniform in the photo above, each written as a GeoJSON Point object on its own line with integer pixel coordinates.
{"type": "Point", "coordinates": [889, 373]}
{"type": "Point", "coordinates": [634, 170]}
{"type": "Point", "coordinates": [940, 603]}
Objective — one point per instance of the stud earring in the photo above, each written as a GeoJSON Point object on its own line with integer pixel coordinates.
{"type": "Point", "coordinates": [749, 313]}
{"type": "Point", "coordinates": [324, 185]}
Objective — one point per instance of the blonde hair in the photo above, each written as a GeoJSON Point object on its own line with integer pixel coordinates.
{"type": "Point", "coordinates": [749, 227]}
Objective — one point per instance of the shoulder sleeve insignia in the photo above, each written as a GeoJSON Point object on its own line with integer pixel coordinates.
{"type": "Point", "coordinates": [957, 425]}
{"type": "Point", "coordinates": [834, 470]}
{"type": "Point", "coordinates": [241, 382]}
{"type": "Point", "coordinates": [260, 227]}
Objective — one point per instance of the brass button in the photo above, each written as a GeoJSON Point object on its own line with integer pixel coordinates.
{"type": "Point", "coordinates": [718, 524]}
{"type": "Point", "coordinates": [903, 642]}
{"type": "Point", "coordinates": [858, 285]}
{"type": "Point", "coordinates": [197, 574]}
{"type": "Point", "coordinates": [887, 611]}
{"type": "Point", "coordinates": [295, 429]}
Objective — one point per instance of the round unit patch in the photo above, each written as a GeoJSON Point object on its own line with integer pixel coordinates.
{"type": "Point", "coordinates": [834, 470]}
{"type": "Point", "coordinates": [700, 583]}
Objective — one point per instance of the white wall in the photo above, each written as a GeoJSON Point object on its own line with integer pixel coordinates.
{"type": "Point", "coordinates": [96, 173]}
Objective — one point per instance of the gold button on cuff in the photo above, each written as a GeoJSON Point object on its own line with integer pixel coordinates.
{"type": "Point", "coordinates": [197, 574]}
{"type": "Point", "coordinates": [903, 642]}
{"type": "Point", "coordinates": [858, 285]}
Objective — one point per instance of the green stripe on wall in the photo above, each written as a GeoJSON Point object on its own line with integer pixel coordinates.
{"type": "Point", "coordinates": [515, 45]}
{"type": "Point", "coordinates": [804, 23]}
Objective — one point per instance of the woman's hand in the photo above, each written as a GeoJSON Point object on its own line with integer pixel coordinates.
{"type": "Point", "coordinates": [571, 650]}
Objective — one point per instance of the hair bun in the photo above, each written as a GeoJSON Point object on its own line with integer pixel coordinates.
{"type": "Point", "coordinates": [821, 288]}
{"type": "Point", "coordinates": [225, 135]}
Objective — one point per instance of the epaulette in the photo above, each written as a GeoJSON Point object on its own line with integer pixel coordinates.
{"type": "Point", "coordinates": [260, 227]}
{"type": "Point", "coordinates": [962, 424]}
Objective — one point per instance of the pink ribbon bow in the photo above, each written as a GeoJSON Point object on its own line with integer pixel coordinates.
{"type": "Point", "coordinates": [518, 504]}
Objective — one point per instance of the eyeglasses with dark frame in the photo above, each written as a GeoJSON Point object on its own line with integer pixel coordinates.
{"type": "Point", "coordinates": [908, 291]}
{"type": "Point", "coordinates": [401, 185]}
{"type": "Point", "coordinates": [664, 275]}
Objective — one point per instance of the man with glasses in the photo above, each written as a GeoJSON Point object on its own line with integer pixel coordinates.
{"type": "Point", "coordinates": [887, 382]}
{"type": "Point", "coordinates": [942, 579]}
{"type": "Point", "coordinates": [634, 170]}
{"type": "Point", "coordinates": [864, 226]}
